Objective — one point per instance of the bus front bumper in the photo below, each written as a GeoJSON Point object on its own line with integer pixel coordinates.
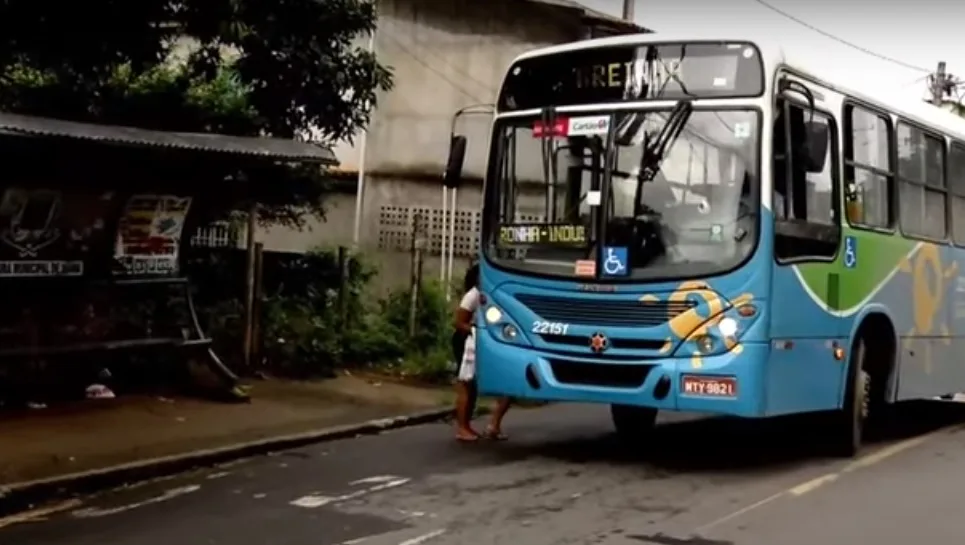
{"type": "Point", "coordinates": [727, 384]}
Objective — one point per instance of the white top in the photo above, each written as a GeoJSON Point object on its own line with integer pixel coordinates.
{"type": "Point", "coordinates": [470, 301]}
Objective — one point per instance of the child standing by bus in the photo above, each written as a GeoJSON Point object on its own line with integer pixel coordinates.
{"type": "Point", "coordinates": [463, 352]}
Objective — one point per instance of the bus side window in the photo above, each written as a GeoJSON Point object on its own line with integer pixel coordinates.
{"type": "Point", "coordinates": [803, 201]}
{"type": "Point", "coordinates": [869, 171]}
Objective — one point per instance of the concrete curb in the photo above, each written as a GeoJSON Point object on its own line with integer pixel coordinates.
{"type": "Point", "coordinates": [26, 495]}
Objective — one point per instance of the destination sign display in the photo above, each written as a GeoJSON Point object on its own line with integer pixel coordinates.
{"type": "Point", "coordinates": [668, 71]}
{"type": "Point", "coordinates": [542, 234]}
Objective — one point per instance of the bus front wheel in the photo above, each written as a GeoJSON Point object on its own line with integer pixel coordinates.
{"type": "Point", "coordinates": [633, 423]}
{"type": "Point", "coordinates": [850, 419]}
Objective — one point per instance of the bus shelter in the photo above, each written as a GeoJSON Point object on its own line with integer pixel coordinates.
{"type": "Point", "coordinates": [94, 221]}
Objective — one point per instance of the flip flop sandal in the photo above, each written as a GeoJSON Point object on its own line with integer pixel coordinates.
{"type": "Point", "coordinates": [467, 439]}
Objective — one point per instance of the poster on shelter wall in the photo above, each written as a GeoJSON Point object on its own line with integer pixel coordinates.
{"type": "Point", "coordinates": [149, 235]}
{"type": "Point", "coordinates": [49, 233]}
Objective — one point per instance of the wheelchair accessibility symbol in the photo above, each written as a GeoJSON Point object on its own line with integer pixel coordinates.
{"type": "Point", "coordinates": [615, 261]}
{"type": "Point", "coordinates": [850, 252]}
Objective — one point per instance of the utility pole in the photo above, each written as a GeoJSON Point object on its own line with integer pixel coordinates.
{"type": "Point", "coordinates": [941, 84]}
{"type": "Point", "coordinates": [628, 6]}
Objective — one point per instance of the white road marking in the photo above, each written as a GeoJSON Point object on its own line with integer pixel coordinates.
{"type": "Point", "coordinates": [94, 512]}
{"type": "Point", "coordinates": [313, 501]}
{"type": "Point", "coordinates": [38, 514]}
{"type": "Point", "coordinates": [891, 450]}
{"type": "Point", "coordinates": [808, 486]}
{"type": "Point", "coordinates": [418, 540]}
{"type": "Point", "coordinates": [218, 475]}
{"type": "Point", "coordinates": [746, 509]}
{"type": "Point", "coordinates": [813, 484]}
{"type": "Point", "coordinates": [374, 480]}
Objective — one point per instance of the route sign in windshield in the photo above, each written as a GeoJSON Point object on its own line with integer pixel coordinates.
{"type": "Point", "coordinates": [669, 71]}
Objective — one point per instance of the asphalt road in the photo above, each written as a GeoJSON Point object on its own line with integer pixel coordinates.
{"type": "Point", "coordinates": [561, 479]}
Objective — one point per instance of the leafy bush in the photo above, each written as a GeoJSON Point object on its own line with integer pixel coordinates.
{"type": "Point", "coordinates": [435, 366]}
{"type": "Point", "coordinates": [433, 323]}
{"type": "Point", "coordinates": [426, 355]}
{"type": "Point", "coordinates": [299, 338]}
{"type": "Point", "coordinates": [309, 329]}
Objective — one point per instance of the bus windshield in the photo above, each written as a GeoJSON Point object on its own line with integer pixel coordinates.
{"type": "Point", "coordinates": [569, 193]}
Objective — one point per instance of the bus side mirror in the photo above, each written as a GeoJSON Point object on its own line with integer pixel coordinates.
{"type": "Point", "coordinates": [818, 139]}
{"type": "Point", "coordinates": [457, 156]}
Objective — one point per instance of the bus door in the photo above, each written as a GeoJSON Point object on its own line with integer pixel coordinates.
{"type": "Point", "coordinates": [807, 241]}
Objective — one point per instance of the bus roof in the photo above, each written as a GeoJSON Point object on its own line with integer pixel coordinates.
{"type": "Point", "coordinates": [775, 54]}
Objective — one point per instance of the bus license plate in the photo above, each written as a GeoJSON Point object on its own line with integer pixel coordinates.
{"type": "Point", "coordinates": [708, 386]}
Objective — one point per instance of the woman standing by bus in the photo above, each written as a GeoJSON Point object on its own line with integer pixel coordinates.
{"type": "Point", "coordinates": [466, 391]}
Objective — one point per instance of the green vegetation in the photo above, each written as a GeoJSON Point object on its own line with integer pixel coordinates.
{"type": "Point", "coordinates": [240, 67]}
{"type": "Point", "coordinates": [311, 326]}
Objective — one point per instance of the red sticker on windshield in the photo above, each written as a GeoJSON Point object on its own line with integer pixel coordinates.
{"type": "Point", "coordinates": [586, 267]}
{"type": "Point", "coordinates": [560, 127]}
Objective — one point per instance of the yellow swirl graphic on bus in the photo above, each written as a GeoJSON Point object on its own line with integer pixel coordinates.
{"type": "Point", "coordinates": [697, 321]}
{"type": "Point", "coordinates": [929, 281]}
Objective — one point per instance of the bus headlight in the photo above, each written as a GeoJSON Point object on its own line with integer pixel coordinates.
{"type": "Point", "coordinates": [721, 334]}
{"type": "Point", "coordinates": [493, 315]}
{"type": "Point", "coordinates": [727, 327]}
{"type": "Point", "coordinates": [501, 326]}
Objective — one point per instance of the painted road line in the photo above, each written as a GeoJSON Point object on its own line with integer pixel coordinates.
{"type": "Point", "coordinates": [42, 513]}
{"type": "Point", "coordinates": [377, 479]}
{"type": "Point", "coordinates": [891, 450]}
{"type": "Point", "coordinates": [740, 512]}
{"type": "Point", "coordinates": [419, 540]}
{"type": "Point", "coordinates": [168, 495]}
{"type": "Point", "coordinates": [392, 538]}
{"type": "Point", "coordinates": [813, 484]}
{"type": "Point", "coordinates": [385, 482]}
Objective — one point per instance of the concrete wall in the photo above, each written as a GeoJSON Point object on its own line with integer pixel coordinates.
{"type": "Point", "coordinates": [445, 56]}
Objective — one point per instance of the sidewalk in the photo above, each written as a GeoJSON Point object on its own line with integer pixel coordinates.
{"type": "Point", "coordinates": [46, 443]}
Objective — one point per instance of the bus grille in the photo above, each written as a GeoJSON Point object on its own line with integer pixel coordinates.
{"type": "Point", "coordinates": [604, 312]}
{"type": "Point", "coordinates": [600, 374]}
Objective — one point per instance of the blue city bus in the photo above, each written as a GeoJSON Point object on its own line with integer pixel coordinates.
{"type": "Point", "coordinates": [705, 225]}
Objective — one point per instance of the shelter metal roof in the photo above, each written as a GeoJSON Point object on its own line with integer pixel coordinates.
{"type": "Point", "coordinates": [265, 148]}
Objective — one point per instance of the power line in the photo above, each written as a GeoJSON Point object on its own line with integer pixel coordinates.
{"type": "Point", "coordinates": [917, 81]}
{"type": "Point", "coordinates": [840, 40]}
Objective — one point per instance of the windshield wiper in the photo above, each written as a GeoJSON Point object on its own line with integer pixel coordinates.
{"type": "Point", "coordinates": [655, 150]}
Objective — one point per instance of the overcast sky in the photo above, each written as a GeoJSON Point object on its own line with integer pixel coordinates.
{"type": "Point", "coordinates": [918, 33]}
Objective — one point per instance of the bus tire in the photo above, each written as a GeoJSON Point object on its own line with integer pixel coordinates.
{"type": "Point", "coordinates": [850, 420]}
{"type": "Point", "coordinates": [633, 423]}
